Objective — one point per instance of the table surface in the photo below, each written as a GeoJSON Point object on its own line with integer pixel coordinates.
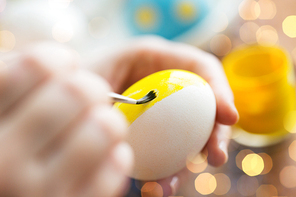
{"type": "Point", "coordinates": [244, 185]}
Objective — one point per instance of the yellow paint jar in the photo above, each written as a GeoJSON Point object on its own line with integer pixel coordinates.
{"type": "Point", "coordinates": [262, 81]}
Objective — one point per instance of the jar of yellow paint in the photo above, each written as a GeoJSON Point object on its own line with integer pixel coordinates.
{"type": "Point", "coordinates": [262, 81]}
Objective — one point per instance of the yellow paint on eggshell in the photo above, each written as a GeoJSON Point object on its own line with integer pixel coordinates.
{"type": "Point", "coordinates": [164, 83]}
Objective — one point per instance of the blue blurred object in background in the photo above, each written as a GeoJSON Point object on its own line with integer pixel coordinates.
{"type": "Point", "coordinates": [107, 23]}
{"type": "Point", "coordinates": [166, 18]}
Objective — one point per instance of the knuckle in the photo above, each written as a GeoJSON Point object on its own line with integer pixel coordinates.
{"type": "Point", "coordinates": [29, 62]}
{"type": "Point", "coordinates": [49, 57]}
{"type": "Point", "coordinates": [213, 59]}
{"type": "Point", "coordinates": [88, 86]}
{"type": "Point", "coordinates": [89, 145]}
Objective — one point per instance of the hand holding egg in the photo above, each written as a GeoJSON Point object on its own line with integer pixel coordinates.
{"type": "Point", "coordinates": [149, 55]}
{"type": "Point", "coordinates": [166, 130]}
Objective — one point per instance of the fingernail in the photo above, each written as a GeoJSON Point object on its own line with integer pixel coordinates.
{"type": "Point", "coordinates": [85, 84]}
{"type": "Point", "coordinates": [174, 184]}
{"type": "Point", "coordinates": [123, 156]}
{"type": "Point", "coordinates": [223, 148]}
{"type": "Point", "coordinates": [235, 112]}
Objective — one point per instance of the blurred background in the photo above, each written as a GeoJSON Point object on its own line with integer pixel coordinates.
{"type": "Point", "coordinates": [216, 26]}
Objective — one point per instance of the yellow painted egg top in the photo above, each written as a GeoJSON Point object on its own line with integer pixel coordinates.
{"type": "Point", "coordinates": [177, 123]}
{"type": "Point", "coordinates": [164, 82]}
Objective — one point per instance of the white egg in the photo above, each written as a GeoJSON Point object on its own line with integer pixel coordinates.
{"type": "Point", "coordinates": [177, 123]}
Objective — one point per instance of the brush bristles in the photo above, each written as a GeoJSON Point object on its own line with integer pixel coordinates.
{"type": "Point", "coordinates": [149, 97]}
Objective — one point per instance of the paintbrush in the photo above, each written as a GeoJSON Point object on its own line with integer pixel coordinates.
{"type": "Point", "coordinates": [123, 99]}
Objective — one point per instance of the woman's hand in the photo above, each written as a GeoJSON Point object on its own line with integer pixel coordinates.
{"type": "Point", "coordinates": [58, 136]}
{"type": "Point", "coordinates": [145, 56]}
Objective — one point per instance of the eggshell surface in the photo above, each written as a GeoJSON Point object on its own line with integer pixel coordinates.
{"type": "Point", "coordinates": [178, 122]}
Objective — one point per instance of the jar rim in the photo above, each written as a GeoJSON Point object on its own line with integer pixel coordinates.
{"type": "Point", "coordinates": [230, 62]}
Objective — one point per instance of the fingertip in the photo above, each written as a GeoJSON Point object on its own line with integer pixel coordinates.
{"type": "Point", "coordinates": [217, 157]}
{"type": "Point", "coordinates": [217, 145]}
{"type": "Point", "coordinates": [170, 185]}
{"type": "Point", "coordinates": [123, 157]}
{"type": "Point", "coordinates": [88, 86]}
{"type": "Point", "coordinates": [174, 184]}
{"type": "Point", "coordinates": [113, 123]}
{"type": "Point", "coordinates": [227, 113]}
{"type": "Point", "coordinates": [110, 179]}
{"type": "Point", "coordinates": [233, 114]}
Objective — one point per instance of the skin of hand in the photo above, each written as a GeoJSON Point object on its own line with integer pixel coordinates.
{"type": "Point", "coordinates": [144, 56]}
{"type": "Point", "coordinates": [59, 136]}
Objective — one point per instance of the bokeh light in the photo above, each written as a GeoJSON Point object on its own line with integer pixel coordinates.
{"type": "Point", "coordinates": [240, 156]}
{"type": "Point", "coordinates": [198, 158]}
{"type": "Point", "coordinates": [289, 26]}
{"type": "Point", "coordinates": [247, 32]}
{"type": "Point", "coordinates": [292, 150]}
{"type": "Point", "coordinates": [99, 27]}
{"type": "Point", "coordinates": [252, 164]}
{"type": "Point", "coordinates": [151, 189]}
{"type": "Point", "coordinates": [222, 22]}
{"type": "Point", "coordinates": [247, 186]}
{"type": "Point", "coordinates": [289, 121]}
{"type": "Point", "coordinates": [7, 41]}
{"type": "Point", "coordinates": [249, 10]}
{"type": "Point", "coordinates": [62, 31]}
{"type": "Point", "coordinates": [267, 35]}
{"type": "Point", "coordinates": [235, 134]}
{"type": "Point", "coordinates": [267, 9]}
{"type": "Point", "coordinates": [197, 163]}
{"type": "Point", "coordinates": [223, 184]}
{"type": "Point", "coordinates": [196, 167]}
{"type": "Point", "coordinates": [288, 176]}
{"type": "Point", "coordinates": [266, 191]}
{"type": "Point", "coordinates": [268, 164]}
{"type": "Point", "coordinates": [220, 45]}
{"type": "Point", "coordinates": [205, 183]}
{"type": "Point", "coordinates": [146, 17]}
{"type": "Point", "coordinates": [59, 4]}
{"type": "Point", "coordinates": [186, 11]}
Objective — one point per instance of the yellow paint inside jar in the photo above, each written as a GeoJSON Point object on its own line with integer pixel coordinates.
{"type": "Point", "coordinates": [262, 81]}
